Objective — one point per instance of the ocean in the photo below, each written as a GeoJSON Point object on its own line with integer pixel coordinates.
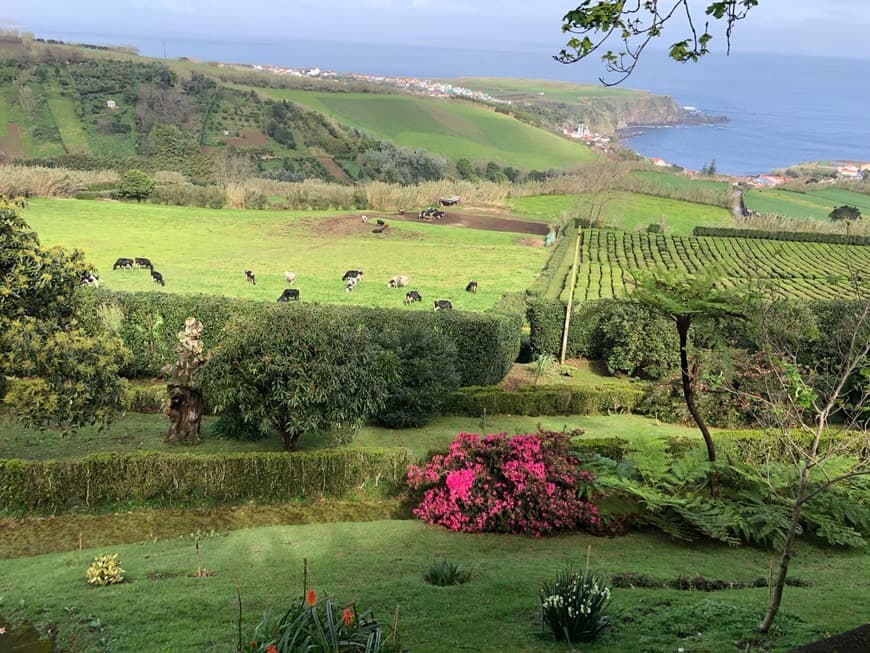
{"type": "Point", "coordinates": [782, 110]}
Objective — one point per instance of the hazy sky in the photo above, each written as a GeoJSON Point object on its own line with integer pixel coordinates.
{"type": "Point", "coordinates": [826, 27]}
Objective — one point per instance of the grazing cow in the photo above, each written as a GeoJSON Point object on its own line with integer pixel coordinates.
{"type": "Point", "coordinates": [352, 274]}
{"type": "Point", "coordinates": [364, 219]}
{"type": "Point", "coordinates": [289, 277]}
{"type": "Point", "coordinates": [471, 287]}
{"type": "Point", "coordinates": [380, 228]}
{"type": "Point", "coordinates": [380, 222]}
{"type": "Point", "coordinates": [288, 294]}
{"type": "Point", "coordinates": [351, 284]}
{"type": "Point", "coordinates": [443, 304]}
{"type": "Point", "coordinates": [124, 263]}
{"type": "Point", "coordinates": [157, 277]}
{"type": "Point", "coordinates": [90, 279]}
{"type": "Point", "coordinates": [413, 296]}
{"type": "Point", "coordinates": [143, 263]}
{"type": "Point", "coordinates": [249, 275]}
{"type": "Point", "coordinates": [397, 281]}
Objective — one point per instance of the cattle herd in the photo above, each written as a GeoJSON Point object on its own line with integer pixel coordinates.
{"type": "Point", "coordinates": [129, 264]}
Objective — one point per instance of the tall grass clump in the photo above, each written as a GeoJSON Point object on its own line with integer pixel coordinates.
{"type": "Point", "coordinates": [16, 181]}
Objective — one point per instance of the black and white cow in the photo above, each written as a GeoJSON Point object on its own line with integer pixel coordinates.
{"type": "Point", "coordinates": [288, 294]}
{"type": "Point", "coordinates": [123, 263]}
{"type": "Point", "coordinates": [156, 277]}
{"type": "Point", "coordinates": [352, 274]}
{"type": "Point", "coordinates": [413, 296]}
{"type": "Point", "coordinates": [249, 275]}
{"type": "Point", "coordinates": [471, 287]}
{"type": "Point", "coordinates": [143, 263]}
{"type": "Point", "coordinates": [443, 305]}
{"type": "Point", "coordinates": [90, 279]}
{"type": "Point", "coordinates": [351, 284]}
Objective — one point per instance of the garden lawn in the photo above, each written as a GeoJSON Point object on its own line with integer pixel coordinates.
{"type": "Point", "coordinates": [627, 211]}
{"type": "Point", "coordinates": [138, 432]}
{"type": "Point", "coordinates": [450, 128]}
{"type": "Point", "coordinates": [380, 565]}
{"type": "Point", "coordinates": [207, 251]}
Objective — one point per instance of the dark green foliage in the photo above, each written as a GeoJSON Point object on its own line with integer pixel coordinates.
{"type": "Point", "coordinates": [427, 376]}
{"type": "Point", "coordinates": [211, 197]}
{"type": "Point", "coordinates": [487, 342]}
{"type": "Point", "coordinates": [845, 212]}
{"type": "Point", "coordinates": [466, 170]}
{"type": "Point", "coordinates": [545, 400]}
{"type": "Point", "coordinates": [233, 426]}
{"type": "Point", "coordinates": [796, 236]}
{"type": "Point", "coordinates": [103, 480]}
{"type": "Point", "coordinates": [299, 371]}
{"type": "Point", "coordinates": [446, 573]}
{"type": "Point", "coordinates": [135, 185]}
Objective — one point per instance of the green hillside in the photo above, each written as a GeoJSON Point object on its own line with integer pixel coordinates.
{"type": "Point", "coordinates": [453, 128]}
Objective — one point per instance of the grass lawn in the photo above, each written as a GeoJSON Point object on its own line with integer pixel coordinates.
{"type": "Point", "coordinates": [627, 211]}
{"type": "Point", "coordinates": [452, 129]}
{"type": "Point", "coordinates": [813, 205]}
{"type": "Point", "coordinates": [379, 565]}
{"type": "Point", "coordinates": [207, 251]}
{"type": "Point", "coordinates": [68, 123]}
{"type": "Point", "coordinates": [137, 432]}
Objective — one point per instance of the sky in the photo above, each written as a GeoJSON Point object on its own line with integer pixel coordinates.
{"type": "Point", "coordinates": [809, 27]}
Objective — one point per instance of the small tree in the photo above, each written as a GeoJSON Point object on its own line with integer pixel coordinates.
{"type": "Point", "coordinates": [845, 212]}
{"type": "Point", "coordinates": [685, 299]}
{"type": "Point", "coordinates": [135, 185]}
{"type": "Point", "coordinates": [301, 370]}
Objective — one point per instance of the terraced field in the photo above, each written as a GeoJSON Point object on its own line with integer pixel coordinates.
{"type": "Point", "coordinates": [799, 270]}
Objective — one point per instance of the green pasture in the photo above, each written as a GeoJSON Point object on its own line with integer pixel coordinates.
{"type": "Point", "coordinates": [792, 269]}
{"type": "Point", "coordinates": [380, 565]}
{"type": "Point", "coordinates": [628, 211]}
{"type": "Point", "coordinates": [68, 123]}
{"type": "Point", "coordinates": [541, 90]}
{"type": "Point", "coordinates": [669, 183]}
{"type": "Point", "coordinates": [453, 129]}
{"type": "Point", "coordinates": [207, 251]}
{"type": "Point", "coordinates": [814, 205]}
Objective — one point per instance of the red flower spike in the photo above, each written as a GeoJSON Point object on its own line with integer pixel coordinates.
{"type": "Point", "coordinates": [347, 616]}
{"type": "Point", "coordinates": [311, 598]}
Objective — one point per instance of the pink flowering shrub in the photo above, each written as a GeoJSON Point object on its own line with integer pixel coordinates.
{"type": "Point", "coordinates": [525, 484]}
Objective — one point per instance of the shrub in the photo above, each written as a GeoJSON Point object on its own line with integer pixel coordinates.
{"type": "Point", "coordinates": [546, 400]}
{"type": "Point", "coordinates": [320, 626]}
{"type": "Point", "coordinates": [525, 484]}
{"type": "Point", "coordinates": [574, 606]}
{"type": "Point", "coordinates": [105, 570]}
{"type": "Point", "coordinates": [135, 185]}
{"type": "Point", "coordinates": [427, 376]}
{"type": "Point", "coordinates": [446, 573]}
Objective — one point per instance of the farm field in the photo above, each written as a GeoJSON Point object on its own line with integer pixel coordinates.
{"type": "Point", "coordinates": [380, 566]}
{"type": "Point", "coordinates": [815, 204]}
{"type": "Point", "coordinates": [541, 89]}
{"type": "Point", "coordinates": [799, 270]}
{"type": "Point", "coordinates": [626, 211]}
{"type": "Point", "coordinates": [207, 251]}
{"type": "Point", "coordinates": [452, 129]}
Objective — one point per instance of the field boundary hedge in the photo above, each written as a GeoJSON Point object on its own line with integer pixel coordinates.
{"type": "Point", "coordinates": [545, 400]}
{"type": "Point", "coordinates": [104, 479]}
{"type": "Point", "coordinates": [790, 236]}
{"type": "Point", "coordinates": [147, 322]}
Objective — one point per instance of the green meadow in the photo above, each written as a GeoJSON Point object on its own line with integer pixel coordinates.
{"type": "Point", "coordinates": [542, 89]}
{"type": "Point", "coordinates": [628, 211]}
{"type": "Point", "coordinates": [207, 251]}
{"type": "Point", "coordinates": [451, 128]}
{"type": "Point", "coordinates": [812, 205]}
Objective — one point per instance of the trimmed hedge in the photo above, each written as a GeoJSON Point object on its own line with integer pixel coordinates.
{"type": "Point", "coordinates": [105, 479]}
{"type": "Point", "coordinates": [792, 236]}
{"type": "Point", "coordinates": [545, 400]}
{"type": "Point", "coordinates": [551, 279]}
{"type": "Point", "coordinates": [147, 322]}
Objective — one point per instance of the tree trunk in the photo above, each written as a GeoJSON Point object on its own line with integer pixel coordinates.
{"type": "Point", "coordinates": [185, 414]}
{"type": "Point", "coordinates": [289, 439]}
{"type": "Point", "coordinates": [776, 598]}
{"type": "Point", "coordinates": [683, 324]}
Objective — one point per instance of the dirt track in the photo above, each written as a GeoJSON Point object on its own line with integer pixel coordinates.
{"type": "Point", "coordinates": [477, 221]}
